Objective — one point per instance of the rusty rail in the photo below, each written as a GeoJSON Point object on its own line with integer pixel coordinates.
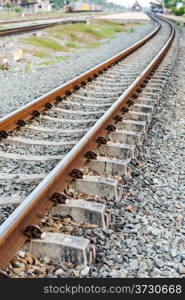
{"type": "Point", "coordinates": [32, 209]}
{"type": "Point", "coordinates": [16, 30]}
{"type": "Point", "coordinates": [30, 20]}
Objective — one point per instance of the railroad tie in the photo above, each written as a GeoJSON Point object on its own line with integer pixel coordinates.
{"type": "Point", "coordinates": [15, 200]}
{"type": "Point", "coordinates": [83, 211]}
{"type": "Point", "coordinates": [150, 94]}
{"type": "Point", "coordinates": [60, 120]}
{"type": "Point", "coordinates": [19, 140]}
{"type": "Point", "coordinates": [78, 112]}
{"type": "Point", "coordinates": [127, 137]}
{"type": "Point", "coordinates": [87, 105]}
{"type": "Point", "coordinates": [142, 108]}
{"type": "Point", "coordinates": [147, 101]}
{"type": "Point", "coordinates": [109, 166]}
{"type": "Point", "coordinates": [19, 177]}
{"type": "Point", "coordinates": [131, 125]}
{"type": "Point", "coordinates": [106, 188]}
{"type": "Point", "coordinates": [39, 158]}
{"type": "Point", "coordinates": [153, 89]}
{"type": "Point", "coordinates": [61, 247]}
{"type": "Point", "coordinates": [118, 150]}
{"type": "Point", "coordinates": [138, 116]}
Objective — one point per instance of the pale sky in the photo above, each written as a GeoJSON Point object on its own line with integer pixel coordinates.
{"type": "Point", "coordinates": [131, 2]}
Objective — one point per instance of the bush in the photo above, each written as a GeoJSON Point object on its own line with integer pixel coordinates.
{"type": "Point", "coordinates": [18, 10]}
{"type": "Point", "coordinates": [179, 12]}
{"type": "Point", "coordinates": [9, 5]}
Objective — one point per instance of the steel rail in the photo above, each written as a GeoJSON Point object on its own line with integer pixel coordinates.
{"type": "Point", "coordinates": [33, 208]}
{"type": "Point", "coordinates": [32, 20]}
{"type": "Point", "coordinates": [8, 31]}
{"type": "Point", "coordinates": [9, 122]}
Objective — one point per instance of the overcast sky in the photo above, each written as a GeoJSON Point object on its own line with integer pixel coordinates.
{"type": "Point", "coordinates": [130, 2]}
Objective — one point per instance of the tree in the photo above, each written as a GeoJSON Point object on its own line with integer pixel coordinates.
{"type": "Point", "coordinates": [171, 3]}
{"type": "Point", "coordinates": [57, 3]}
{"type": "Point", "coordinates": [9, 6]}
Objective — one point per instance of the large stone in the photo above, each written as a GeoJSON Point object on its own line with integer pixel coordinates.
{"type": "Point", "coordinates": [181, 270]}
{"type": "Point", "coordinates": [38, 33]}
{"type": "Point", "coordinates": [85, 271]}
{"type": "Point", "coordinates": [4, 64]}
{"type": "Point", "coordinates": [17, 54]}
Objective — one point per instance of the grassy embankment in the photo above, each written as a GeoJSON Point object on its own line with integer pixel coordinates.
{"type": "Point", "coordinates": [55, 42]}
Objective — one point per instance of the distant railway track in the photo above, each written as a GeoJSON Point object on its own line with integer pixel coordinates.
{"type": "Point", "coordinates": [27, 28]}
{"type": "Point", "coordinates": [92, 126]}
{"type": "Point", "coordinates": [26, 19]}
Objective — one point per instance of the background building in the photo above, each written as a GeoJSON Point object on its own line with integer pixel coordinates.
{"type": "Point", "coordinates": [136, 6]}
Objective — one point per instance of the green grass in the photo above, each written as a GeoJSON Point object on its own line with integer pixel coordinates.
{"type": "Point", "coordinates": [2, 67]}
{"type": "Point", "coordinates": [108, 22]}
{"type": "Point", "coordinates": [44, 42]}
{"type": "Point", "coordinates": [137, 23]}
{"type": "Point", "coordinates": [71, 45]}
{"type": "Point", "coordinates": [73, 36]}
{"type": "Point", "coordinates": [99, 30]}
{"type": "Point", "coordinates": [42, 54]}
{"type": "Point", "coordinates": [91, 45]}
{"type": "Point", "coordinates": [37, 53]}
{"type": "Point", "coordinates": [27, 67]}
{"type": "Point", "coordinates": [53, 61]}
{"type": "Point", "coordinates": [47, 62]}
{"type": "Point", "coordinates": [59, 58]}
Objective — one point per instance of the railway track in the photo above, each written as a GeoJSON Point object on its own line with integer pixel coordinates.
{"type": "Point", "coordinates": [28, 20]}
{"type": "Point", "coordinates": [49, 23]}
{"type": "Point", "coordinates": [91, 126]}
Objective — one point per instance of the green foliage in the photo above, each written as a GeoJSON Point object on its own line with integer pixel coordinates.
{"type": "Point", "coordinates": [27, 67]}
{"type": "Point", "coordinates": [9, 5]}
{"type": "Point", "coordinates": [91, 45]}
{"type": "Point", "coordinates": [180, 11]}
{"type": "Point", "coordinates": [57, 3]}
{"type": "Point", "coordinates": [53, 61]}
{"type": "Point", "coordinates": [47, 62]}
{"type": "Point", "coordinates": [71, 45]}
{"type": "Point", "coordinates": [171, 3]}
{"type": "Point", "coordinates": [100, 30]}
{"type": "Point", "coordinates": [18, 10]}
{"type": "Point", "coordinates": [72, 36]}
{"type": "Point", "coordinates": [43, 42]}
{"type": "Point", "coordinates": [41, 54]}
